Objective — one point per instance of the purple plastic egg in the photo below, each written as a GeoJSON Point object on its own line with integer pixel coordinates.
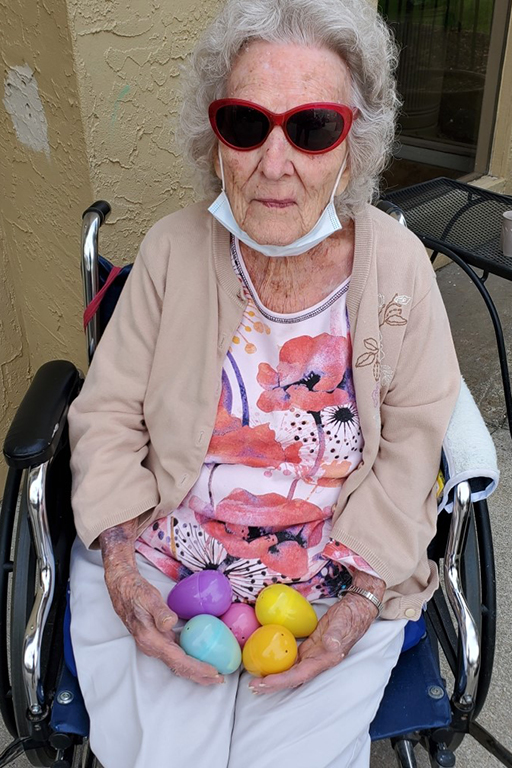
{"type": "Point", "coordinates": [203, 592]}
{"type": "Point", "coordinates": [242, 621]}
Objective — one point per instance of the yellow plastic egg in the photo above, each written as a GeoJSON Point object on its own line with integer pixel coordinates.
{"type": "Point", "coordinates": [280, 604]}
{"type": "Point", "coordinates": [269, 650]}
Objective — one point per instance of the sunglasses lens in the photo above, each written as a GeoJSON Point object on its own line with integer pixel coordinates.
{"type": "Point", "coordinates": [315, 129]}
{"type": "Point", "coordinates": [242, 126]}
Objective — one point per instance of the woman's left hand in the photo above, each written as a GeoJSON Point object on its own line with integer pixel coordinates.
{"type": "Point", "coordinates": [343, 624]}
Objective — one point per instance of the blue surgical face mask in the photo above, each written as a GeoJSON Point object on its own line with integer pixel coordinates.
{"type": "Point", "coordinates": [327, 224]}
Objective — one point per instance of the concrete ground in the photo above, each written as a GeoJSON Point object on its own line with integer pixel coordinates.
{"type": "Point", "coordinates": [474, 339]}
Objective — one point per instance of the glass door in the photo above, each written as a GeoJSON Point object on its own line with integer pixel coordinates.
{"type": "Point", "coordinates": [451, 54]}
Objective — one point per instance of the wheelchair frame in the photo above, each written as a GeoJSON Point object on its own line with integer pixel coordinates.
{"type": "Point", "coordinates": [28, 688]}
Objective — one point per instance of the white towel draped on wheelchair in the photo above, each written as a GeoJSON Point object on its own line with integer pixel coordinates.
{"type": "Point", "coordinates": [468, 453]}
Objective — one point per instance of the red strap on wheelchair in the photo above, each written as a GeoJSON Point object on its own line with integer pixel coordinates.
{"type": "Point", "coordinates": [93, 306]}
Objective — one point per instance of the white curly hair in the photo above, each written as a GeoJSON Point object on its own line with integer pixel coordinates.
{"type": "Point", "coordinates": [351, 28]}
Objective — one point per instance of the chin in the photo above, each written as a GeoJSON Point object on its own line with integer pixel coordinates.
{"type": "Point", "coordinates": [273, 238]}
{"type": "Point", "coordinates": [268, 233]}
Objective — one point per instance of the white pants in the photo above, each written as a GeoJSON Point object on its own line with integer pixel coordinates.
{"type": "Point", "coordinates": [143, 716]}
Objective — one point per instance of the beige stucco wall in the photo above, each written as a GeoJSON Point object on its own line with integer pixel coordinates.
{"type": "Point", "coordinates": [45, 186]}
{"type": "Point", "coordinates": [127, 56]}
{"type": "Point", "coordinates": [14, 358]}
{"type": "Point", "coordinates": [101, 80]}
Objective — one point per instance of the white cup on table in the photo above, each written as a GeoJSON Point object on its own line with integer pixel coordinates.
{"type": "Point", "coordinates": [506, 234]}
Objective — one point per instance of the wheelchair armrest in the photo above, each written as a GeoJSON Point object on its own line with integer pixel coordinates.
{"type": "Point", "coordinates": [468, 452]}
{"type": "Point", "coordinates": [38, 424]}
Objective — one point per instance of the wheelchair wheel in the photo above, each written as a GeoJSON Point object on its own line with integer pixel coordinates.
{"type": "Point", "coordinates": [22, 600]}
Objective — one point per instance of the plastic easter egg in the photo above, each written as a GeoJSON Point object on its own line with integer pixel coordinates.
{"type": "Point", "coordinates": [280, 604]}
{"type": "Point", "coordinates": [269, 650]}
{"type": "Point", "coordinates": [208, 639]}
{"type": "Point", "coordinates": [203, 592]}
{"type": "Point", "coordinates": [242, 621]}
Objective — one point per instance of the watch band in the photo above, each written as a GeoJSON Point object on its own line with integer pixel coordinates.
{"type": "Point", "coordinates": [364, 593]}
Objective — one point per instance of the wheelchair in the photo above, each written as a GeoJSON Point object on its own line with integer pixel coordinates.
{"type": "Point", "coordinates": [40, 700]}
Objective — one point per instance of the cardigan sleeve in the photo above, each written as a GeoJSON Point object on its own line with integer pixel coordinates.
{"type": "Point", "coordinates": [390, 518]}
{"type": "Point", "coordinates": [108, 435]}
{"type": "Point", "coordinates": [341, 554]}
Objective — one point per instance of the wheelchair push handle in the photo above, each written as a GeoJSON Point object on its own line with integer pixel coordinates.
{"type": "Point", "coordinates": [102, 208]}
{"type": "Point", "coordinates": [393, 210]}
{"type": "Point", "coordinates": [92, 219]}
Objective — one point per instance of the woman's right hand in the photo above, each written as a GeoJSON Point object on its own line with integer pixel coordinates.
{"type": "Point", "coordinates": [142, 609]}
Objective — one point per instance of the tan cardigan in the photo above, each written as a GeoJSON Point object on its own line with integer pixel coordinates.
{"type": "Point", "coordinates": [141, 426]}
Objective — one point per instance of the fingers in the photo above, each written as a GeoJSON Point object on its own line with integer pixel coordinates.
{"type": "Point", "coordinates": [149, 619]}
{"type": "Point", "coordinates": [336, 633]}
{"type": "Point", "coordinates": [186, 666]}
{"type": "Point", "coordinates": [158, 639]}
{"type": "Point", "coordinates": [302, 672]}
{"type": "Point", "coordinates": [164, 619]}
{"type": "Point", "coordinates": [321, 651]}
{"type": "Point", "coordinates": [152, 643]}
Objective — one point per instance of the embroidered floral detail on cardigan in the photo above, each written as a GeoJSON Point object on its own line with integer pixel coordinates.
{"type": "Point", "coordinates": [389, 314]}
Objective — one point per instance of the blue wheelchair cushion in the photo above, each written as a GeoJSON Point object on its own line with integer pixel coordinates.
{"type": "Point", "coordinates": [415, 698]}
{"type": "Point", "coordinates": [414, 631]}
{"type": "Point", "coordinates": [69, 656]}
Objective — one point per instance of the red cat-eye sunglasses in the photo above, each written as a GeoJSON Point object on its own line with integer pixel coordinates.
{"type": "Point", "coordinates": [313, 128]}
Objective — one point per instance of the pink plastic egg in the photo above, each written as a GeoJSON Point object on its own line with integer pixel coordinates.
{"type": "Point", "coordinates": [242, 621]}
{"type": "Point", "coordinates": [203, 592]}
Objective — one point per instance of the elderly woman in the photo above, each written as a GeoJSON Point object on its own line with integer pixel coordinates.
{"type": "Point", "coordinates": [269, 400]}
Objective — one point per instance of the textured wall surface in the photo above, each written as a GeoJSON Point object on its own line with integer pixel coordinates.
{"type": "Point", "coordinates": [88, 102]}
{"type": "Point", "coordinates": [45, 186]}
{"type": "Point", "coordinates": [128, 55]}
{"type": "Point", "coordinates": [14, 359]}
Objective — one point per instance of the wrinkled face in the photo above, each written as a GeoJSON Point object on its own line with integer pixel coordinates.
{"type": "Point", "coordinates": [277, 193]}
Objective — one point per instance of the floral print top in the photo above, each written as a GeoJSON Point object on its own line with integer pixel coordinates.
{"type": "Point", "coordinates": [286, 436]}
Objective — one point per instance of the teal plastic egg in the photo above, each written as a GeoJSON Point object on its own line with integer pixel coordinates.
{"type": "Point", "coordinates": [208, 639]}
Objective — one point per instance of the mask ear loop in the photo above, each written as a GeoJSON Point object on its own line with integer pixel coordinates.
{"type": "Point", "coordinates": [222, 168]}
{"type": "Point", "coordinates": [338, 177]}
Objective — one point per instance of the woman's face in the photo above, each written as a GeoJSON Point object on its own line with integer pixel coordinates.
{"type": "Point", "coordinates": [277, 193]}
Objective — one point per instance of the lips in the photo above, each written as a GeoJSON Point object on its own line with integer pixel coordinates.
{"type": "Point", "coordinates": [272, 203]}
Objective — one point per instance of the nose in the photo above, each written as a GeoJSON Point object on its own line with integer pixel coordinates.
{"type": "Point", "coordinates": [276, 160]}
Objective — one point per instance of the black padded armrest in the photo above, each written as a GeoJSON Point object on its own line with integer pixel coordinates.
{"type": "Point", "coordinates": [37, 427]}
